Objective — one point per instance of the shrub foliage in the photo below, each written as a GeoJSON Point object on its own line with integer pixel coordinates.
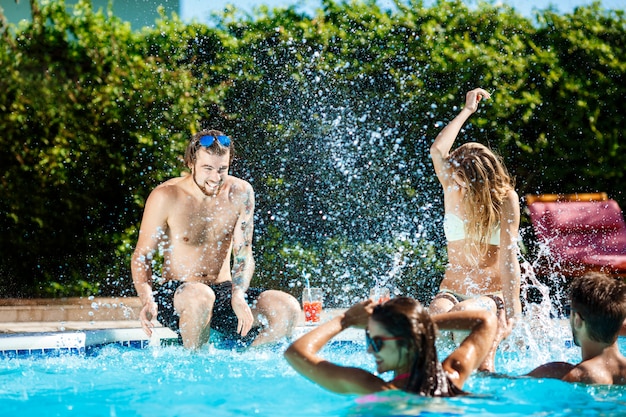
{"type": "Point", "coordinates": [332, 116]}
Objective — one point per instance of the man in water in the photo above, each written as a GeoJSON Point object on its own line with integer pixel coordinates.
{"type": "Point", "coordinates": [200, 221]}
{"type": "Point", "coordinates": [598, 310]}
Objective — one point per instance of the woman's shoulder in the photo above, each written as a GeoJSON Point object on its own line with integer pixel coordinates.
{"type": "Point", "coordinates": [510, 213]}
{"type": "Point", "coordinates": [511, 199]}
{"type": "Point", "coordinates": [512, 194]}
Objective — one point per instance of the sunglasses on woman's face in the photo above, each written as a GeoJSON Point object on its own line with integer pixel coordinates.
{"type": "Point", "coordinates": [209, 140]}
{"type": "Point", "coordinates": [378, 342]}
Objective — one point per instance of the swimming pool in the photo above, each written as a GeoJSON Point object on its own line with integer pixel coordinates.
{"type": "Point", "coordinates": [115, 380]}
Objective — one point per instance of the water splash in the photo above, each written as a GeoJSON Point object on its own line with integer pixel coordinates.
{"type": "Point", "coordinates": [542, 335]}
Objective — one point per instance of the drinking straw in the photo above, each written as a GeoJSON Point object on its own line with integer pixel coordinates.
{"type": "Point", "coordinates": [308, 284]}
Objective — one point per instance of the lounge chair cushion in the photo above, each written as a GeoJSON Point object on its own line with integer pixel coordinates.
{"type": "Point", "coordinates": [579, 216]}
{"type": "Point", "coordinates": [583, 234]}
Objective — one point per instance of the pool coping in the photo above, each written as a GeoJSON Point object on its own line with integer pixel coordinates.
{"type": "Point", "coordinates": [83, 341]}
{"type": "Point", "coordinates": [78, 325]}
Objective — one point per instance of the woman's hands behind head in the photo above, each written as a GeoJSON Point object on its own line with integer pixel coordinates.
{"type": "Point", "coordinates": [358, 314]}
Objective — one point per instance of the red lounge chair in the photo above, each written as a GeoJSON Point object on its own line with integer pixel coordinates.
{"type": "Point", "coordinates": [578, 233]}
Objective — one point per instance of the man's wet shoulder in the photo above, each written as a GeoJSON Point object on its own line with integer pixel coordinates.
{"type": "Point", "coordinates": [172, 181]}
{"type": "Point", "coordinates": [238, 185]}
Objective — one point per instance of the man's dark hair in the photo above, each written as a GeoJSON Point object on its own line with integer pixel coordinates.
{"type": "Point", "coordinates": [600, 300]}
{"type": "Point", "coordinates": [216, 148]}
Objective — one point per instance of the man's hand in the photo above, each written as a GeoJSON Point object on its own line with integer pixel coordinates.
{"type": "Point", "coordinates": [148, 312]}
{"type": "Point", "coordinates": [242, 311]}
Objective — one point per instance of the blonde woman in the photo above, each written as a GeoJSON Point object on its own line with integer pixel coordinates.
{"type": "Point", "coordinates": [481, 223]}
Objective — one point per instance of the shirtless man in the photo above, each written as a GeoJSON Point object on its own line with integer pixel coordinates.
{"type": "Point", "coordinates": [598, 309]}
{"type": "Point", "coordinates": [200, 221]}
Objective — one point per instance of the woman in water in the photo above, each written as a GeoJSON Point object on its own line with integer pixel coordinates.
{"type": "Point", "coordinates": [400, 334]}
{"type": "Point", "coordinates": [481, 223]}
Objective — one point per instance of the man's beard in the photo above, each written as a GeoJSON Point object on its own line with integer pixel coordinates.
{"type": "Point", "coordinates": [204, 189]}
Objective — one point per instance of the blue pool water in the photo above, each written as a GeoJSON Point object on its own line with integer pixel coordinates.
{"type": "Point", "coordinates": [170, 381]}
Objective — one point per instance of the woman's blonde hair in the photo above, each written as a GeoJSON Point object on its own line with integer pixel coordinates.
{"type": "Point", "coordinates": [486, 181]}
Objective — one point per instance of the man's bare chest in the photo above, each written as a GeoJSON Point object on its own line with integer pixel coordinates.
{"type": "Point", "coordinates": [202, 224]}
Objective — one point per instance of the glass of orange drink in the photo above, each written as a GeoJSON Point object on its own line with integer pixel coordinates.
{"type": "Point", "coordinates": [379, 294]}
{"type": "Point", "coordinates": [312, 303]}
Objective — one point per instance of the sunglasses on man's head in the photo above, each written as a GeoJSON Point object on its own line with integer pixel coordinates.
{"type": "Point", "coordinates": [378, 342]}
{"type": "Point", "coordinates": [209, 140]}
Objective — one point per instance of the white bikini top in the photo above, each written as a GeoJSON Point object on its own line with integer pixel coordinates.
{"type": "Point", "coordinates": [454, 228]}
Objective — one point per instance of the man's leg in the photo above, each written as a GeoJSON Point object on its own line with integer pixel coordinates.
{"type": "Point", "coordinates": [281, 312]}
{"type": "Point", "coordinates": [193, 302]}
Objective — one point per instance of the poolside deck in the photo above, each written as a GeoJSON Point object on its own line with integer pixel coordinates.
{"type": "Point", "coordinates": [36, 315]}
{"type": "Point", "coordinates": [77, 324]}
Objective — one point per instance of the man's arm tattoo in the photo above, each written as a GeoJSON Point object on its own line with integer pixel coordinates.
{"type": "Point", "coordinates": [241, 254]}
{"type": "Point", "coordinates": [239, 266]}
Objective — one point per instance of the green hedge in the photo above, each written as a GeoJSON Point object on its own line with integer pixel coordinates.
{"type": "Point", "coordinates": [332, 116]}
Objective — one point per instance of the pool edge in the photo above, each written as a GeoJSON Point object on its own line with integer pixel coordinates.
{"type": "Point", "coordinates": [83, 341]}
